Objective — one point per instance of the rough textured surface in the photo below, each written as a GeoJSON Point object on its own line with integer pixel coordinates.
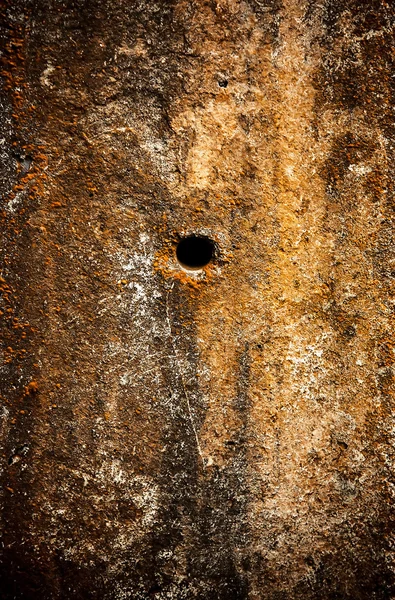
{"type": "Point", "coordinates": [226, 433]}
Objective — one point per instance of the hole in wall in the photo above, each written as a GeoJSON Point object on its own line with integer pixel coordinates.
{"type": "Point", "coordinates": [17, 454]}
{"type": "Point", "coordinates": [195, 252]}
{"type": "Point", "coordinates": [24, 161]}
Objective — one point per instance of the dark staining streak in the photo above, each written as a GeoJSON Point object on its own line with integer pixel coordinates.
{"type": "Point", "coordinates": [357, 71]}
{"type": "Point", "coordinates": [347, 150]}
{"type": "Point", "coordinates": [268, 13]}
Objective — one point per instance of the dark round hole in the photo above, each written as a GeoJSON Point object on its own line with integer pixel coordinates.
{"type": "Point", "coordinates": [195, 252]}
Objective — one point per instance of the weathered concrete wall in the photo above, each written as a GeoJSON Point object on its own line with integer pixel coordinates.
{"type": "Point", "coordinates": [218, 434]}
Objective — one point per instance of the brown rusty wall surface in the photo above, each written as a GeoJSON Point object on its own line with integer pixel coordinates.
{"type": "Point", "coordinates": [219, 434]}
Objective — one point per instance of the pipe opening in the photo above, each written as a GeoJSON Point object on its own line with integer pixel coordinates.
{"type": "Point", "coordinates": [195, 252]}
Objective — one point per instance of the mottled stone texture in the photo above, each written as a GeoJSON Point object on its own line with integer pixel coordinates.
{"type": "Point", "coordinates": [223, 434]}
